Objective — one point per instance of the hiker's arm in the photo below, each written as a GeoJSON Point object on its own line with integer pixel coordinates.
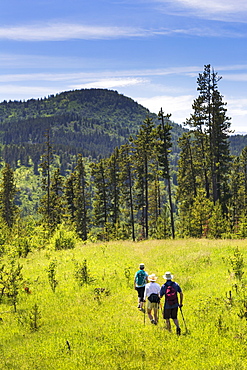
{"type": "Point", "coordinates": [161, 293]}
{"type": "Point", "coordinates": [181, 299]}
{"type": "Point", "coordinates": [145, 294]}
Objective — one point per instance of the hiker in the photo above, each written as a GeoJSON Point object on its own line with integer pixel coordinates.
{"type": "Point", "coordinates": [152, 290]}
{"type": "Point", "coordinates": [170, 290]}
{"type": "Point", "coordinates": [140, 281]}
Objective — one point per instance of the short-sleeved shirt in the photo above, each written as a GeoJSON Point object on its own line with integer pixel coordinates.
{"type": "Point", "coordinates": [163, 291]}
{"type": "Point", "coordinates": [144, 280]}
{"type": "Point", "coordinates": [151, 288]}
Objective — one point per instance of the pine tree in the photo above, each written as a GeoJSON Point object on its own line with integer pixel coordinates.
{"type": "Point", "coordinates": [143, 150]}
{"type": "Point", "coordinates": [211, 126]}
{"type": "Point", "coordinates": [101, 201]}
{"type": "Point", "coordinates": [236, 201]}
{"type": "Point", "coordinates": [81, 199]}
{"type": "Point", "coordinates": [164, 131]}
{"type": "Point", "coordinates": [8, 208]}
{"type": "Point", "coordinates": [205, 160]}
{"type": "Point", "coordinates": [112, 173]}
{"type": "Point", "coordinates": [45, 165]}
{"type": "Point", "coordinates": [126, 189]}
{"type": "Point", "coordinates": [69, 193]}
{"type": "Point", "coordinates": [52, 210]}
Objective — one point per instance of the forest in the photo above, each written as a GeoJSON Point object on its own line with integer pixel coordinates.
{"type": "Point", "coordinates": [130, 175]}
{"type": "Point", "coordinates": [91, 122]}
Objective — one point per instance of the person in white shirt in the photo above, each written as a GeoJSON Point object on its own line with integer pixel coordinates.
{"type": "Point", "coordinates": [151, 294]}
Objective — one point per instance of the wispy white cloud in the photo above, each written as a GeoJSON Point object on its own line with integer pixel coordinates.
{"type": "Point", "coordinates": [69, 31]}
{"type": "Point", "coordinates": [14, 92]}
{"type": "Point", "coordinates": [178, 106]}
{"type": "Point", "coordinates": [110, 83]}
{"type": "Point", "coordinates": [240, 77]}
{"type": "Point", "coordinates": [42, 62]}
{"type": "Point", "coordinates": [112, 77]}
{"type": "Point", "coordinates": [212, 6]}
{"type": "Point", "coordinates": [66, 31]}
{"type": "Point", "coordinates": [237, 107]}
{"type": "Point", "coordinates": [226, 10]}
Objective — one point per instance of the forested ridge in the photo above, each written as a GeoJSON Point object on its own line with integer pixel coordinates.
{"type": "Point", "coordinates": [92, 122]}
{"type": "Point", "coordinates": [99, 163]}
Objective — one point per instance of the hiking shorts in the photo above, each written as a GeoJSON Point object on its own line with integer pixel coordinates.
{"type": "Point", "coordinates": [152, 305]}
{"type": "Point", "coordinates": [141, 291]}
{"type": "Point", "coordinates": [170, 313]}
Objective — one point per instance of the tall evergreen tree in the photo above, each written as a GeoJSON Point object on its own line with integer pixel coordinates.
{"type": "Point", "coordinates": [143, 150]}
{"type": "Point", "coordinates": [126, 189]}
{"type": "Point", "coordinates": [52, 215]}
{"type": "Point", "coordinates": [164, 130]}
{"type": "Point", "coordinates": [211, 125]}
{"type": "Point", "coordinates": [81, 199]}
{"type": "Point", "coordinates": [101, 201]}
{"type": "Point", "coordinates": [45, 165]}
{"type": "Point", "coordinates": [8, 208]}
{"type": "Point", "coordinates": [112, 173]}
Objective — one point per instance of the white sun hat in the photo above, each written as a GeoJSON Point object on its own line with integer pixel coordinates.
{"type": "Point", "coordinates": [168, 276]}
{"type": "Point", "coordinates": [152, 277]}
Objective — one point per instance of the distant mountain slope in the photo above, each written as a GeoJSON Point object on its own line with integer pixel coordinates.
{"type": "Point", "coordinates": [237, 143]}
{"type": "Point", "coordinates": [89, 121]}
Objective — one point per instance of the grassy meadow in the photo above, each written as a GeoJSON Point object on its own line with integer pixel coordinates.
{"type": "Point", "coordinates": [98, 326]}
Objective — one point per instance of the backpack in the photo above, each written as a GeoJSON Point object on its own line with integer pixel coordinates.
{"type": "Point", "coordinates": [154, 298]}
{"type": "Point", "coordinates": [140, 278]}
{"type": "Point", "coordinates": [171, 295]}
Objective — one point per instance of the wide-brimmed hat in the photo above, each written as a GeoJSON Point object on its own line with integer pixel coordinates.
{"type": "Point", "coordinates": [152, 277]}
{"type": "Point", "coordinates": [168, 276]}
{"type": "Point", "coordinates": [142, 265]}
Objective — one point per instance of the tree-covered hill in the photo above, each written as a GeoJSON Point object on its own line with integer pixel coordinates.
{"type": "Point", "coordinates": [90, 121]}
{"type": "Point", "coordinates": [237, 143]}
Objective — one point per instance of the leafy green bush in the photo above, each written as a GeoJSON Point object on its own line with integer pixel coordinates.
{"type": "Point", "coordinates": [63, 239]}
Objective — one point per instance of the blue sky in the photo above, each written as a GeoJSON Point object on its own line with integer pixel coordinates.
{"type": "Point", "coordinates": [149, 50]}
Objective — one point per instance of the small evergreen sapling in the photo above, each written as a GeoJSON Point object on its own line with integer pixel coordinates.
{"type": "Point", "coordinates": [52, 275]}
{"type": "Point", "coordinates": [10, 280]}
{"type": "Point", "coordinates": [34, 318]}
{"type": "Point", "coordinates": [82, 273]}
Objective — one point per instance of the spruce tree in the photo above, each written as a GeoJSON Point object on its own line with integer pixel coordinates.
{"type": "Point", "coordinates": [112, 173]}
{"type": "Point", "coordinates": [81, 199]}
{"type": "Point", "coordinates": [101, 201]}
{"type": "Point", "coordinates": [143, 151]}
{"type": "Point", "coordinates": [52, 208]}
{"type": "Point", "coordinates": [8, 207]}
{"type": "Point", "coordinates": [164, 131]}
{"type": "Point", "coordinates": [126, 190]}
{"type": "Point", "coordinates": [211, 127]}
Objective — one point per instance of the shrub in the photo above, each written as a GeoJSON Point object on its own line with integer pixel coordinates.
{"type": "Point", "coordinates": [82, 273]}
{"type": "Point", "coordinates": [63, 239]}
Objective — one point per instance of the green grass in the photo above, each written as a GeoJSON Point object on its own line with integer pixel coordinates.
{"type": "Point", "coordinates": [78, 331]}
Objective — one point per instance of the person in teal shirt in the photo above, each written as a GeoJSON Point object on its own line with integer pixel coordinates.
{"type": "Point", "coordinates": [140, 281]}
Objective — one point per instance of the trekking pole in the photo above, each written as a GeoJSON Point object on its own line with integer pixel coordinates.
{"type": "Point", "coordinates": [144, 313]}
{"type": "Point", "coordinates": [186, 329]}
{"type": "Point", "coordinates": [160, 310]}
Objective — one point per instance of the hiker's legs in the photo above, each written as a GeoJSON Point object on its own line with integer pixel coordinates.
{"type": "Point", "coordinates": [166, 316]}
{"type": "Point", "coordinates": [168, 325]}
{"type": "Point", "coordinates": [174, 315]}
{"type": "Point", "coordinates": [140, 296]}
{"type": "Point", "coordinates": [176, 322]}
{"type": "Point", "coordinates": [156, 314]}
{"type": "Point", "coordinates": [140, 303]}
{"type": "Point", "coordinates": [150, 314]}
